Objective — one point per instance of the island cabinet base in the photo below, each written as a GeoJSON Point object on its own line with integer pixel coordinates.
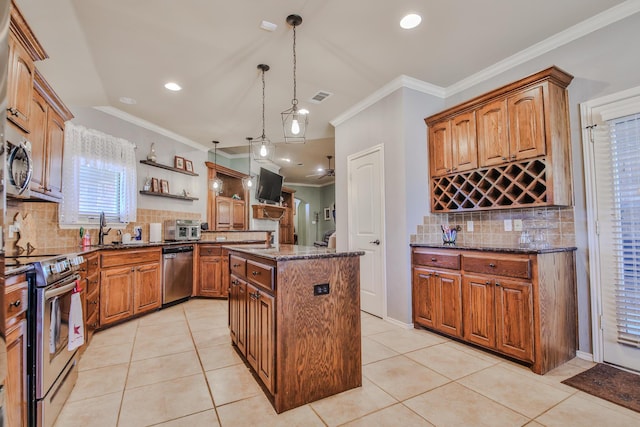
{"type": "Point", "coordinates": [308, 345]}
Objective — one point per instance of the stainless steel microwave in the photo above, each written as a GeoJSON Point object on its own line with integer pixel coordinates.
{"type": "Point", "coordinates": [182, 229]}
{"type": "Point", "coordinates": [19, 165]}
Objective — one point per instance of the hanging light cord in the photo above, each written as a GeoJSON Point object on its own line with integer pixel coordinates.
{"type": "Point", "coordinates": [294, 101]}
{"type": "Point", "coordinates": [263, 136]}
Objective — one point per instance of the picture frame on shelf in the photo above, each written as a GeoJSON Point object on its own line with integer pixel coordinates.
{"type": "Point", "coordinates": [327, 214]}
{"type": "Point", "coordinates": [188, 165]}
{"type": "Point", "coordinates": [178, 162]}
{"type": "Point", "coordinates": [164, 186]}
{"type": "Point", "coordinates": [155, 185]}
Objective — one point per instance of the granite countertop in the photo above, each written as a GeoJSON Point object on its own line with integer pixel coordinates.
{"type": "Point", "coordinates": [292, 252]}
{"type": "Point", "coordinates": [494, 248]}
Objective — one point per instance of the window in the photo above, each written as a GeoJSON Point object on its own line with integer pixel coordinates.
{"type": "Point", "coordinates": [99, 176]}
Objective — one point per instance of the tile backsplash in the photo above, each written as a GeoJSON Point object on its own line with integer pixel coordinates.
{"type": "Point", "coordinates": [488, 226]}
{"type": "Point", "coordinates": [49, 235]}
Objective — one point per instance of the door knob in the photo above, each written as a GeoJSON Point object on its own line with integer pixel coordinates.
{"type": "Point", "coordinates": [375, 242]}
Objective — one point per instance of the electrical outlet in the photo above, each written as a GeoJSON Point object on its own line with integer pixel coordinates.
{"type": "Point", "coordinates": [508, 225]}
{"type": "Point", "coordinates": [469, 225]}
{"type": "Point", "coordinates": [13, 228]}
{"type": "Point", "coordinates": [321, 289]}
{"type": "Point", "coordinates": [517, 225]}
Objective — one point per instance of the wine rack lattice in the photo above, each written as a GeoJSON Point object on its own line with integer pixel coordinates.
{"type": "Point", "coordinates": [512, 185]}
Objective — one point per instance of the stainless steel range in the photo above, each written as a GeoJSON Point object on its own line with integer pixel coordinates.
{"type": "Point", "coordinates": [52, 367]}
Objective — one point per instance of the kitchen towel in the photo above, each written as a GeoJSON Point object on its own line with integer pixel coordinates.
{"type": "Point", "coordinates": [155, 232]}
{"type": "Point", "coordinates": [76, 323]}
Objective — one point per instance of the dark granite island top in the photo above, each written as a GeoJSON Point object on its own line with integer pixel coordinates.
{"type": "Point", "coordinates": [292, 252]}
{"type": "Point", "coordinates": [494, 248]}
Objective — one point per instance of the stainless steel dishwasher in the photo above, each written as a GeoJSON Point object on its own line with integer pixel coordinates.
{"type": "Point", "coordinates": [177, 273]}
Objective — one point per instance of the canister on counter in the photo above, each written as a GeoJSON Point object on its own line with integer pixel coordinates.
{"type": "Point", "coordinates": [137, 233]}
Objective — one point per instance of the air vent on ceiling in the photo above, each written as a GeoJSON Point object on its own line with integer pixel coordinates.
{"type": "Point", "coordinates": [320, 96]}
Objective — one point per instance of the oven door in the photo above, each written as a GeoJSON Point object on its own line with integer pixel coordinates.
{"type": "Point", "coordinates": [54, 305]}
{"type": "Point", "coordinates": [182, 232]}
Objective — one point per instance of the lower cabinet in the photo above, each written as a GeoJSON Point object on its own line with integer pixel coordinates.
{"type": "Point", "coordinates": [238, 313]}
{"type": "Point", "coordinates": [130, 284]}
{"type": "Point", "coordinates": [521, 305]}
{"type": "Point", "coordinates": [90, 273]}
{"type": "Point", "coordinates": [210, 272]}
{"type": "Point", "coordinates": [260, 335]}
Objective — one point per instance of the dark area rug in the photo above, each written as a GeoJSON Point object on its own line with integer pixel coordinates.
{"type": "Point", "coordinates": [609, 383]}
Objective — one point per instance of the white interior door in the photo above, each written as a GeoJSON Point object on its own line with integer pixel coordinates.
{"type": "Point", "coordinates": [612, 165]}
{"type": "Point", "coordinates": [366, 225]}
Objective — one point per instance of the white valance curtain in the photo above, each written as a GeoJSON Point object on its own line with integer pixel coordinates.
{"type": "Point", "coordinates": [90, 158]}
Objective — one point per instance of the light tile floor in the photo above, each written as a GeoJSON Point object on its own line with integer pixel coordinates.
{"type": "Point", "coordinates": [176, 367]}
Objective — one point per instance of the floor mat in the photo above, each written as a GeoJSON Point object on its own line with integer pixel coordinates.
{"type": "Point", "coordinates": [609, 383]}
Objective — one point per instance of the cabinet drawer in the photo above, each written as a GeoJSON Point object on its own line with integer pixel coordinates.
{"type": "Point", "coordinates": [260, 274]}
{"type": "Point", "coordinates": [511, 266]}
{"type": "Point", "coordinates": [16, 300]}
{"type": "Point", "coordinates": [93, 283]}
{"type": "Point", "coordinates": [210, 250]}
{"type": "Point", "coordinates": [121, 257]}
{"type": "Point", "coordinates": [92, 303]}
{"type": "Point", "coordinates": [238, 266]}
{"type": "Point", "coordinates": [92, 320]}
{"type": "Point", "coordinates": [437, 259]}
{"type": "Point", "coordinates": [93, 263]}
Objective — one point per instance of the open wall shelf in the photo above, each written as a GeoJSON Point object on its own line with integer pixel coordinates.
{"type": "Point", "coordinates": [169, 168]}
{"type": "Point", "coordinates": [170, 196]}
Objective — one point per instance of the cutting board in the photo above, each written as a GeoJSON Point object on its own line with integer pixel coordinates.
{"type": "Point", "coordinates": [27, 232]}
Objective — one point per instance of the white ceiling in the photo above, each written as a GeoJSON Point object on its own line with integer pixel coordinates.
{"type": "Point", "coordinates": [103, 50]}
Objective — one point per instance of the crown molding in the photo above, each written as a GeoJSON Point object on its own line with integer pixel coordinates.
{"type": "Point", "coordinates": [581, 29]}
{"type": "Point", "coordinates": [300, 184]}
{"type": "Point", "coordinates": [115, 112]}
{"type": "Point", "coordinates": [395, 84]}
{"type": "Point", "coordinates": [589, 25]}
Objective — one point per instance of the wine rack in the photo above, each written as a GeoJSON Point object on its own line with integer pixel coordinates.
{"type": "Point", "coordinates": [512, 185]}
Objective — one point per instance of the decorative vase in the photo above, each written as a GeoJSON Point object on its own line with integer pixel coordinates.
{"type": "Point", "coordinates": [152, 154]}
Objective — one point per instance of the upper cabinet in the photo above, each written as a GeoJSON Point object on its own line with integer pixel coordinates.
{"type": "Point", "coordinates": [229, 209]}
{"type": "Point", "coordinates": [35, 109]}
{"type": "Point", "coordinates": [508, 148]}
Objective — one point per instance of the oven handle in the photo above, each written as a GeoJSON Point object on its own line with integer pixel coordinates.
{"type": "Point", "coordinates": [59, 291]}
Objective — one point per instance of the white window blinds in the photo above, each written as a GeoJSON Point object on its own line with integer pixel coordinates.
{"type": "Point", "coordinates": [624, 134]}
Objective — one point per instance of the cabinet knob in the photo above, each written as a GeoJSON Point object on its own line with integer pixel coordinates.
{"type": "Point", "coordinates": [255, 273]}
{"type": "Point", "coordinates": [434, 259]}
{"type": "Point", "coordinates": [454, 169]}
{"type": "Point", "coordinates": [487, 282]}
{"type": "Point", "coordinates": [236, 265]}
{"type": "Point", "coordinates": [16, 303]}
{"type": "Point", "coordinates": [497, 284]}
{"type": "Point", "coordinates": [492, 265]}
{"type": "Point", "coordinates": [504, 158]}
{"type": "Point", "coordinates": [513, 156]}
{"type": "Point", "coordinates": [133, 269]}
{"type": "Point", "coordinates": [94, 325]}
{"type": "Point", "coordinates": [437, 275]}
{"type": "Point", "coordinates": [93, 302]}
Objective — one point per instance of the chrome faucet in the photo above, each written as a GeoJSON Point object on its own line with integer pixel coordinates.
{"type": "Point", "coordinates": [101, 232]}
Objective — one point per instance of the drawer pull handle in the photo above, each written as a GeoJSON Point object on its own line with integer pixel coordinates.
{"type": "Point", "coordinates": [94, 325]}
{"type": "Point", "coordinates": [93, 302]}
{"type": "Point", "coordinates": [256, 273]}
{"type": "Point", "coordinates": [16, 303]}
{"type": "Point", "coordinates": [434, 259]}
{"type": "Point", "coordinates": [236, 265]}
{"type": "Point", "coordinates": [492, 265]}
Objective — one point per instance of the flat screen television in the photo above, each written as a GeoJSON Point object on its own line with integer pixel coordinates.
{"type": "Point", "coordinates": [269, 186]}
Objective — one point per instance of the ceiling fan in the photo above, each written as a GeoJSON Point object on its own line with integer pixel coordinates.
{"type": "Point", "coordinates": [326, 172]}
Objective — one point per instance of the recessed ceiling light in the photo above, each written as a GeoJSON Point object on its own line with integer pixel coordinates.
{"type": "Point", "coordinates": [286, 159]}
{"type": "Point", "coordinates": [127, 100]}
{"type": "Point", "coordinates": [173, 86]}
{"type": "Point", "coordinates": [410, 21]}
{"type": "Point", "coordinates": [268, 26]}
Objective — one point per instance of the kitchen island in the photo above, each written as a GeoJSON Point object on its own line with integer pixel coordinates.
{"type": "Point", "coordinates": [294, 316]}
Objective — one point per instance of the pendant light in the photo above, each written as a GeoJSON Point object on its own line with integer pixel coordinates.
{"type": "Point", "coordinates": [294, 122]}
{"type": "Point", "coordinates": [263, 149]}
{"type": "Point", "coordinates": [215, 184]}
{"type": "Point", "coordinates": [247, 182]}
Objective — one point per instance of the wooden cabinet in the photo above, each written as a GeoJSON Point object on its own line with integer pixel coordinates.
{"type": "Point", "coordinates": [90, 276]}
{"type": "Point", "coordinates": [522, 305]}
{"type": "Point", "coordinates": [16, 305]}
{"type": "Point", "coordinates": [271, 303]}
{"type": "Point", "coordinates": [286, 227]}
{"type": "Point", "coordinates": [224, 212]}
{"type": "Point", "coordinates": [19, 84]}
{"type": "Point", "coordinates": [437, 300]}
{"type": "Point", "coordinates": [452, 145]}
{"type": "Point", "coordinates": [130, 284]}
{"type": "Point", "coordinates": [505, 149]}
{"type": "Point", "coordinates": [210, 268]}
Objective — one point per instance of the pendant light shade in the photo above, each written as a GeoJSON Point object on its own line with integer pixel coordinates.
{"type": "Point", "coordinates": [263, 150]}
{"type": "Point", "coordinates": [215, 184]}
{"type": "Point", "coordinates": [294, 122]}
{"type": "Point", "coordinates": [247, 182]}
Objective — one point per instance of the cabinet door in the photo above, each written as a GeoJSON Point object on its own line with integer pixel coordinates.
{"type": "Point", "coordinates": [449, 303]}
{"type": "Point", "coordinates": [37, 137]}
{"type": "Point", "coordinates": [147, 294]}
{"type": "Point", "coordinates": [424, 298]}
{"type": "Point", "coordinates": [514, 319]}
{"type": "Point", "coordinates": [252, 326]}
{"type": "Point", "coordinates": [55, 149]}
{"type": "Point", "coordinates": [479, 313]}
{"type": "Point", "coordinates": [16, 379]}
{"type": "Point", "coordinates": [526, 124]}
{"type": "Point", "coordinates": [440, 148]}
{"type": "Point", "coordinates": [223, 213]}
{"type": "Point", "coordinates": [210, 280]}
{"type": "Point", "coordinates": [242, 316]}
{"type": "Point", "coordinates": [19, 85]}
{"type": "Point", "coordinates": [224, 274]}
{"type": "Point", "coordinates": [116, 294]}
{"type": "Point", "coordinates": [234, 309]}
{"type": "Point", "coordinates": [266, 340]}
{"type": "Point", "coordinates": [464, 149]}
{"type": "Point", "coordinates": [238, 215]}
{"type": "Point", "coordinates": [493, 134]}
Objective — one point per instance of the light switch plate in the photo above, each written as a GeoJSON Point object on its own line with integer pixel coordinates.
{"type": "Point", "coordinates": [508, 225]}
{"type": "Point", "coordinates": [469, 225]}
{"type": "Point", "coordinates": [517, 225]}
